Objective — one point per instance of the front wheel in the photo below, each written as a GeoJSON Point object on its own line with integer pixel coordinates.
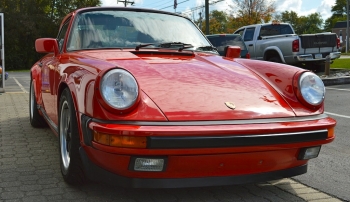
{"type": "Point", "coordinates": [69, 141]}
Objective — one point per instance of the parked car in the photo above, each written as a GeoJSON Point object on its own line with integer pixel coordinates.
{"type": "Point", "coordinates": [6, 75]}
{"type": "Point", "coordinates": [277, 42]}
{"type": "Point", "coordinates": [137, 101]}
{"type": "Point", "coordinates": [221, 41]}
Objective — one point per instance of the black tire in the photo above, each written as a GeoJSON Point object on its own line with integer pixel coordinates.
{"type": "Point", "coordinates": [36, 120]}
{"type": "Point", "coordinates": [275, 59]}
{"type": "Point", "coordinates": [69, 141]}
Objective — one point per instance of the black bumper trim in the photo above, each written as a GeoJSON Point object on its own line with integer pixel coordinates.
{"type": "Point", "coordinates": [234, 140]}
{"type": "Point", "coordinates": [97, 174]}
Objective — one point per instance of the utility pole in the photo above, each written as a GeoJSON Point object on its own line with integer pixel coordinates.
{"type": "Point", "coordinates": [200, 20]}
{"type": "Point", "coordinates": [126, 2]}
{"type": "Point", "coordinates": [207, 17]}
{"type": "Point", "coordinates": [347, 26]}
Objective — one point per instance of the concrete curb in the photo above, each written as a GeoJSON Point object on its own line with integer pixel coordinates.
{"type": "Point", "coordinates": [336, 81]}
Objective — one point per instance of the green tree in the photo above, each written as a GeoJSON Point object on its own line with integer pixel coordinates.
{"type": "Point", "coordinates": [310, 24]}
{"type": "Point", "coordinates": [290, 17]}
{"type": "Point", "coordinates": [253, 11]}
{"type": "Point", "coordinates": [303, 24]}
{"type": "Point", "coordinates": [218, 22]}
{"type": "Point", "coordinates": [25, 21]}
{"type": "Point", "coordinates": [338, 14]}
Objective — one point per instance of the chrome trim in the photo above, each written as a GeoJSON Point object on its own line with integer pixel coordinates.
{"type": "Point", "coordinates": [47, 118]}
{"type": "Point", "coordinates": [206, 123]}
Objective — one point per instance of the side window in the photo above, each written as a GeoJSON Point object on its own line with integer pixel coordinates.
{"type": "Point", "coordinates": [271, 30]}
{"type": "Point", "coordinates": [62, 34]}
{"type": "Point", "coordinates": [240, 32]}
{"type": "Point", "coordinates": [249, 34]}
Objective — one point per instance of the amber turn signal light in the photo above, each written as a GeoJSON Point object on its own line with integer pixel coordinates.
{"type": "Point", "coordinates": [120, 140]}
{"type": "Point", "coordinates": [330, 132]}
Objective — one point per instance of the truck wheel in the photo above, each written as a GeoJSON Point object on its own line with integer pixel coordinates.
{"type": "Point", "coordinates": [36, 120]}
{"type": "Point", "coordinates": [69, 141]}
{"type": "Point", "coordinates": [275, 59]}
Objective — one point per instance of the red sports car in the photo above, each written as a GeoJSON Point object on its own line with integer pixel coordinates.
{"type": "Point", "coordinates": [140, 98]}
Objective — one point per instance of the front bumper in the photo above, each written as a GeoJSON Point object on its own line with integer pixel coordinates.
{"type": "Point", "coordinates": [205, 154]}
{"type": "Point", "coordinates": [98, 174]}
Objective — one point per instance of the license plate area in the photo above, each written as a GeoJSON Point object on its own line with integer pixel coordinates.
{"type": "Point", "coordinates": [318, 56]}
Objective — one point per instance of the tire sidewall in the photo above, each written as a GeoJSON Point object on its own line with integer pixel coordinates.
{"type": "Point", "coordinates": [74, 165]}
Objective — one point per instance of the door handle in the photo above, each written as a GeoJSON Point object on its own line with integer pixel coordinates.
{"type": "Point", "coordinates": [250, 45]}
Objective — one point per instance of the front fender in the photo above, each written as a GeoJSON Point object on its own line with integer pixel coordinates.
{"type": "Point", "coordinates": [282, 78]}
{"type": "Point", "coordinates": [35, 77]}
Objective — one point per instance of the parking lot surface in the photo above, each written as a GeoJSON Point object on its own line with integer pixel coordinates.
{"type": "Point", "coordinates": [29, 167]}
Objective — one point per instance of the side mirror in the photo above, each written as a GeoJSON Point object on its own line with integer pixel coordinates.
{"type": "Point", "coordinates": [232, 51]}
{"type": "Point", "coordinates": [46, 45]}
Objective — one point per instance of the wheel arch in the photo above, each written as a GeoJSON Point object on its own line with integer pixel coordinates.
{"type": "Point", "coordinates": [273, 51]}
{"type": "Point", "coordinates": [62, 86]}
{"type": "Point", "coordinates": [35, 75]}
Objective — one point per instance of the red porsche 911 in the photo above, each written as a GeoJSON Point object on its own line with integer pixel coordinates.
{"type": "Point", "coordinates": [140, 98]}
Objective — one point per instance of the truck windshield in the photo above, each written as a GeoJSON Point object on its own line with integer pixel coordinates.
{"type": "Point", "coordinates": [272, 30]}
{"type": "Point", "coordinates": [128, 29]}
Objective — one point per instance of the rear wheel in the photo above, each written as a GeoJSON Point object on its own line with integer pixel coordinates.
{"type": "Point", "coordinates": [69, 141]}
{"type": "Point", "coordinates": [275, 59]}
{"type": "Point", "coordinates": [36, 120]}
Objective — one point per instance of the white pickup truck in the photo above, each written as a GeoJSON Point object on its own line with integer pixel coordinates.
{"type": "Point", "coordinates": [277, 42]}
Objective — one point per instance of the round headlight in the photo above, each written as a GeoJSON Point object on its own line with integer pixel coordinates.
{"type": "Point", "coordinates": [119, 89]}
{"type": "Point", "coordinates": [312, 88]}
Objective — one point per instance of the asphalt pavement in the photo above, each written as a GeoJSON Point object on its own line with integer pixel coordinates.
{"type": "Point", "coordinates": [29, 167]}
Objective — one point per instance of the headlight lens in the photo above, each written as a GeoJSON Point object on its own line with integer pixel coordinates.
{"type": "Point", "coordinates": [119, 89]}
{"type": "Point", "coordinates": [312, 88]}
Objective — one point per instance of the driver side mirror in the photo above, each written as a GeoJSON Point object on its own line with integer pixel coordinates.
{"type": "Point", "coordinates": [46, 45]}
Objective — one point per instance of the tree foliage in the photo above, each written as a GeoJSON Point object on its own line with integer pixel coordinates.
{"type": "Point", "coordinates": [25, 21]}
{"type": "Point", "coordinates": [338, 14]}
{"type": "Point", "coordinates": [303, 24]}
{"type": "Point", "coordinates": [244, 12]}
{"type": "Point", "coordinates": [253, 11]}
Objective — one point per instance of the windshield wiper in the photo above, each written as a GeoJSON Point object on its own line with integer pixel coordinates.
{"type": "Point", "coordinates": [143, 45]}
{"type": "Point", "coordinates": [179, 45]}
{"type": "Point", "coordinates": [207, 48]}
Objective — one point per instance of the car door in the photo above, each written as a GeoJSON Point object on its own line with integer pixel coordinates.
{"type": "Point", "coordinates": [249, 41]}
{"type": "Point", "coordinates": [49, 79]}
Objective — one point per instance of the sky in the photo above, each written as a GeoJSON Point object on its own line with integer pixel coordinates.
{"type": "Point", "coordinates": [301, 7]}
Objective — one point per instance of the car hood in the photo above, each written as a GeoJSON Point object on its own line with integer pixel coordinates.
{"type": "Point", "coordinates": [191, 86]}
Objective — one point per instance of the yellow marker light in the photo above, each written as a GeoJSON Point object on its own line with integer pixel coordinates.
{"type": "Point", "coordinates": [101, 138]}
{"type": "Point", "coordinates": [120, 141]}
{"type": "Point", "coordinates": [331, 132]}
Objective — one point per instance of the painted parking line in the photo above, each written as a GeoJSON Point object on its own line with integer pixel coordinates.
{"type": "Point", "coordinates": [20, 85]}
{"type": "Point", "coordinates": [339, 115]}
{"type": "Point", "coordinates": [340, 89]}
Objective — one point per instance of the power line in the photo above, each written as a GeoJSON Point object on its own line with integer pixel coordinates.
{"type": "Point", "coordinates": [126, 2]}
{"type": "Point", "coordinates": [173, 5]}
{"type": "Point", "coordinates": [200, 7]}
{"type": "Point", "coordinates": [160, 3]}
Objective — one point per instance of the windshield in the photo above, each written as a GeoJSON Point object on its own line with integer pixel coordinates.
{"type": "Point", "coordinates": [128, 29]}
